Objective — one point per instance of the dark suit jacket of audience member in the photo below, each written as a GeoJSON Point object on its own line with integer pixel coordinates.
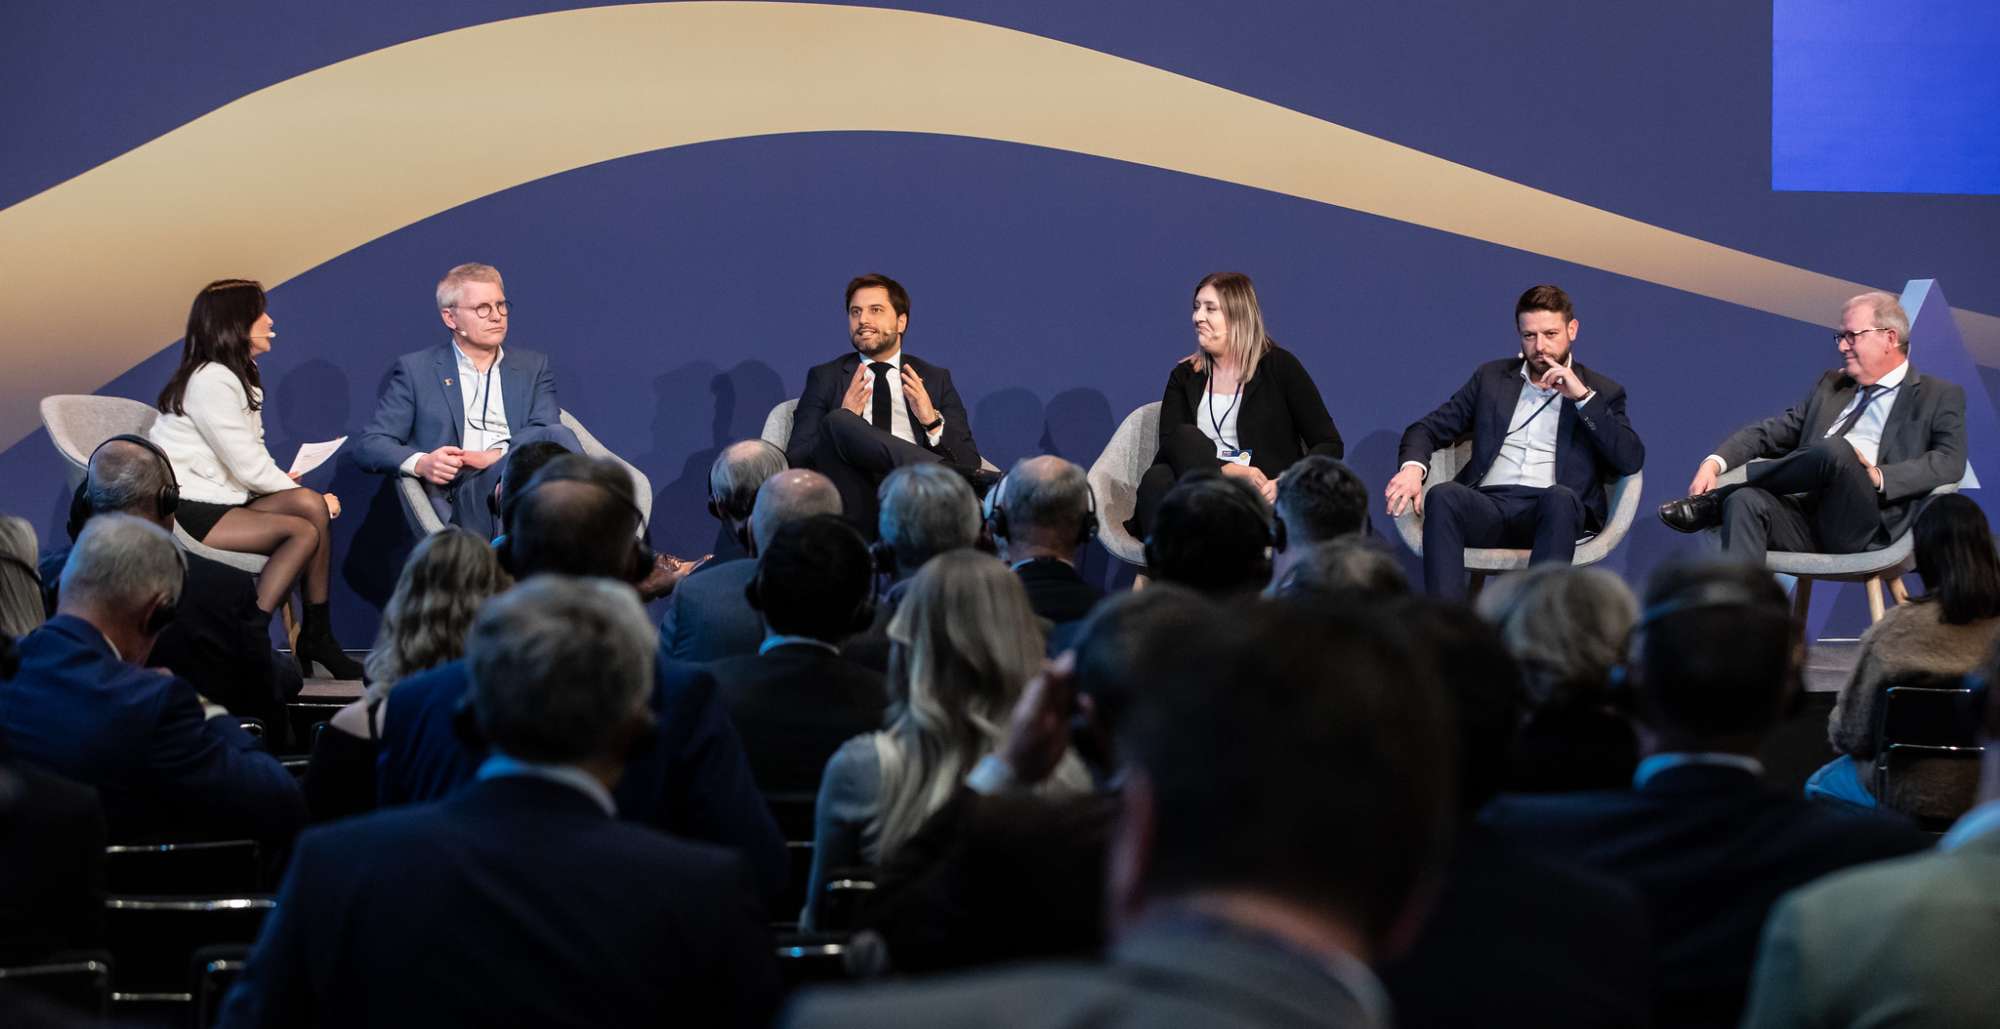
{"type": "Point", "coordinates": [138, 735]}
{"type": "Point", "coordinates": [1160, 974]}
{"type": "Point", "coordinates": [827, 383]}
{"type": "Point", "coordinates": [1056, 592]}
{"type": "Point", "coordinates": [1710, 849]}
{"type": "Point", "coordinates": [691, 780]}
{"type": "Point", "coordinates": [52, 850]}
{"type": "Point", "coordinates": [1572, 748]}
{"type": "Point", "coordinates": [708, 617]}
{"type": "Point", "coordinates": [219, 641]}
{"type": "Point", "coordinates": [995, 879]}
{"type": "Point", "coordinates": [1923, 440]}
{"type": "Point", "coordinates": [1280, 418]}
{"type": "Point", "coordinates": [870, 649]}
{"type": "Point", "coordinates": [794, 707]}
{"type": "Point", "coordinates": [1518, 939]}
{"type": "Point", "coordinates": [515, 901]}
{"type": "Point", "coordinates": [1595, 444]}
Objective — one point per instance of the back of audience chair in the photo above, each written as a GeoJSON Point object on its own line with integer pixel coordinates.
{"type": "Point", "coordinates": [79, 985]}
{"type": "Point", "coordinates": [183, 869]}
{"type": "Point", "coordinates": [1927, 753]}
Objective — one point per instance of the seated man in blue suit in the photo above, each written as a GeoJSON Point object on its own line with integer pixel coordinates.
{"type": "Point", "coordinates": [81, 705]}
{"type": "Point", "coordinates": [449, 414]}
{"type": "Point", "coordinates": [1708, 845]}
{"type": "Point", "coordinates": [577, 516]}
{"type": "Point", "coordinates": [1547, 434]}
{"type": "Point", "coordinates": [552, 911]}
{"type": "Point", "coordinates": [865, 414]}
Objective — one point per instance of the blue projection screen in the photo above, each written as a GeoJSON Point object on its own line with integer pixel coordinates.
{"type": "Point", "coordinates": [1885, 96]}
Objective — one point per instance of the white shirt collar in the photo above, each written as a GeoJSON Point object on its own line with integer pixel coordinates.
{"type": "Point", "coordinates": [776, 640]}
{"type": "Point", "coordinates": [1894, 378]}
{"type": "Point", "coordinates": [895, 362]}
{"type": "Point", "coordinates": [1658, 763]}
{"type": "Point", "coordinates": [1979, 821]}
{"type": "Point", "coordinates": [1531, 382]}
{"type": "Point", "coordinates": [498, 766]}
{"type": "Point", "coordinates": [465, 365]}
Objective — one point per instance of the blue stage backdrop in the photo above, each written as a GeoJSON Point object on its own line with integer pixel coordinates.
{"type": "Point", "coordinates": [683, 292]}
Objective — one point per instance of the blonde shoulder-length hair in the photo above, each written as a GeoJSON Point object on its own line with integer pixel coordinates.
{"type": "Point", "coordinates": [968, 643]}
{"type": "Point", "coordinates": [448, 577]}
{"type": "Point", "coordinates": [1248, 342]}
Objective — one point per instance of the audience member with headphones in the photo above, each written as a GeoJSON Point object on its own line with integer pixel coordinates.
{"type": "Point", "coordinates": [1040, 516]}
{"type": "Point", "coordinates": [220, 641]}
{"type": "Point", "coordinates": [1714, 666]}
{"type": "Point", "coordinates": [797, 699]}
{"type": "Point", "coordinates": [83, 706]}
{"type": "Point", "coordinates": [1213, 534]}
{"type": "Point", "coordinates": [578, 517]}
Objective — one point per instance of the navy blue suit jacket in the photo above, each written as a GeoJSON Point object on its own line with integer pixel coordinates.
{"type": "Point", "coordinates": [709, 618]}
{"type": "Point", "coordinates": [139, 737]}
{"type": "Point", "coordinates": [515, 901]}
{"type": "Point", "coordinates": [1709, 849]}
{"type": "Point", "coordinates": [1594, 445]}
{"type": "Point", "coordinates": [423, 408]}
{"type": "Point", "coordinates": [827, 383]}
{"type": "Point", "coordinates": [692, 781]}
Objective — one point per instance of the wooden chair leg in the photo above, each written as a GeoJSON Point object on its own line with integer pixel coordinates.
{"type": "Point", "coordinates": [1801, 598]}
{"type": "Point", "coordinates": [288, 611]}
{"type": "Point", "coordinates": [1874, 600]}
{"type": "Point", "coordinates": [1899, 591]}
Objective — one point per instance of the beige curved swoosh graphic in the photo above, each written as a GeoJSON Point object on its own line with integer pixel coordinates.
{"type": "Point", "coordinates": [356, 150]}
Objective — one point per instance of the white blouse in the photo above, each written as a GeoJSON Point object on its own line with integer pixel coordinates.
{"type": "Point", "coordinates": [217, 448]}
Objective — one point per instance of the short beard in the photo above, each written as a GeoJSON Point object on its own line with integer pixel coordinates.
{"type": "Point", "coordinates": [885, 342]}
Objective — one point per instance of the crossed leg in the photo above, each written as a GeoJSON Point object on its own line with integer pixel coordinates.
{"type": "Point", "coordinates": [290, 527]}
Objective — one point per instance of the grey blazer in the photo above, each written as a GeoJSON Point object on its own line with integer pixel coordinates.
{"type": "Point", "coordinates": [1160, 975]}
{"type": "Point", "coordinates": [1923, 441]}
{"type": "Point", "coordinates": [708, 617]}
{"type": "Point", "coordinates": [1905, 942]}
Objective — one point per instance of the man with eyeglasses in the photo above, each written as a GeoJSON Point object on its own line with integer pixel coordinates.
{"type": "Point", "coordinates": [1547, 434]}
{"type": "Point", "coordinates": [1848, 466]}
{"type": "Point", "coordinates": [451, 413]}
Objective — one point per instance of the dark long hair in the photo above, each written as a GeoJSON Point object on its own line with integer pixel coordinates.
{"type": "Point", "coordinates": [218, 332]}
{"type": "Point", "coordinates": [1955, 556]}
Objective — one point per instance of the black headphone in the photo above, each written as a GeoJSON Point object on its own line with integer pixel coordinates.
{"type": "Point", "coordinates": [165, 503]}
{"type": "Point", "coordinates": [858, 622]}
{"type": "Point", "coordinates": [1621, 687]}
{"type": "Point", "coordinates": [996, 512]}
{"type": "Point", "coordinates": [639, 564]}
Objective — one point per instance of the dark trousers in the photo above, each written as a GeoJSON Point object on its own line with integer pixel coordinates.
{"type": "Point", "coordinates": [467, 501]}
{"type": "Point", "coordinates": [1548, 520]}
{"type": "Point", "coordinates": [1819, 499]}
{"type": "Point", "coordinates": [857, 456]}
{"type": "Point", "coordinates": [1184, 450]}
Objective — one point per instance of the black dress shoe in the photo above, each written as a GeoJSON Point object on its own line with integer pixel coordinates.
{"type": "Point", "coordinates": [1693, 514]}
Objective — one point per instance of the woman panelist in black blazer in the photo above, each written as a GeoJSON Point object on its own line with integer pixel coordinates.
{"type": "Point", "coordinates": [1240, 402]}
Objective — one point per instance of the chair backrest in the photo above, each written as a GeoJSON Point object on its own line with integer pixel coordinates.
{"type": "Point", "coordinates": [1927, 751]}
{"type": "Point", "coordinates": [642, 487]}
{"type": "Point", "coordinates": [194, 868]}
{"type": "Point", "coordinates": [778, 424]}
{"type": "Point", "coordinates": [1926, 716]}
{"type": "Point", "coordinates": [82, 984]}
{"type": "Point", "coordinates": [153, 939]}
{"type": "Point", "coordinates": [78, 422]}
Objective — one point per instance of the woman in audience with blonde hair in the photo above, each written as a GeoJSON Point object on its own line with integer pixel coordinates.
{"type": "Point", "coordinates": [20, 584]}
{"type": "Point", "coordinates": [448, 577]}
{"type": "Point", "coordinates": [963, 643]}
{"type": "Point", "coordinates": [1567, 628]}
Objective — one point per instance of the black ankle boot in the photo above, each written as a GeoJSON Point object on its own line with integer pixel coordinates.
{"type": "Point", "coordinates": [316, 643]}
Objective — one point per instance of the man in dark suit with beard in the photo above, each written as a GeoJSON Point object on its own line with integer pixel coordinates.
{"type": "Point", "coordinates": [865, 414]}
{"type": "Point", "coordinates": [1547, 434]}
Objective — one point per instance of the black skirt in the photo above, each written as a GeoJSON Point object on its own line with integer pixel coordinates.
{"type": "Point", "coordinates": [199, 518]}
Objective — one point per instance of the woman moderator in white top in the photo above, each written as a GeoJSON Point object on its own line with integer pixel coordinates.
{"type": "Point", "coordinates": [233, 496]}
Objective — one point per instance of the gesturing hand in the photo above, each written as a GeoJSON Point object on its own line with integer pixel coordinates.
{"type": "Point", "coordinates": [1565, 379]}
{"type": "Point", "coordinates": [440, 466]}
{"type": "Point", "coordinates": [919, 398]}
{"type": "Point", "coordinates": [1405, 488]}
{"type": "Point", "coordinates": [860, 390]}
{"type": "Point", "coordinates": [1038, 732]}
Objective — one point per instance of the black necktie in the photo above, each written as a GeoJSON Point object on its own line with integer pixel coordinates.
{"type": "Point", "coordinates": [879, 414]}
{"type": "Point", "coordinates": [1868, 395]}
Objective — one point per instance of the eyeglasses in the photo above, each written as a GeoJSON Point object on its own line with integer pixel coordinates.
{"type": "Point", "coordinates": [486, 310]}
{"type": "Point", "coordinates": [1846, 339]}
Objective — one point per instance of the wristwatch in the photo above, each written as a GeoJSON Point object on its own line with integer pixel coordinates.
{"type": "Point", "coordinates": [933, 426]}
